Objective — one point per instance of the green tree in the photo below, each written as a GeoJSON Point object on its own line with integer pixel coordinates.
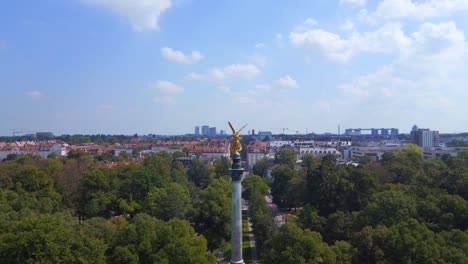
{"type": "Point", "coordinates": [222, 166]}
{"type": "Point", "coordinates": [282, 175]}
{"type": "Point", "coordinates": [309, 163]}
{"type": "Point", "coordinates": [261, 167]}
{"type": "Point", "coordinates": [339, 226]}
{"type": "Point", "coordinates": [328, 187]}
{"type": "Point", "coordinates": [98, 193]}
{"type": "Point", "coordinates": [405, 164]}
{"type": "Point", "coordinates": [309, 218]}
{"type": "Point", "coordinates": [364, 183]}
{"type": "Point", "coordinates": [453, 246]}
{"type": "Point", "coordinates": [262, 220]}
{"type": "Point", "coordinates": [149, 240]}
{"type": "Point", "coordinates": [254, 184]}
{"type": "Point", "coordinates": [171, 201]}
{"type": "Point", "coordinates": [294, 245]}
{"type": "Point", "coordinates": [387, 208]}
{"type": "Point", "coordinates": [44, 238]}
{"type": "Point", "coordinates": [178, 173]}
{"type": "Point", "coordinates": [213, 212]}
{"type": "Point", "coordinates": [343, 251]}
{"type": "Point", "coordinates": [199, 174]}
{"type": "Point", "coordinates": [286, 157]}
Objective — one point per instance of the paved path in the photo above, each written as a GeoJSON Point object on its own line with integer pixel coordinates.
{"type": "Point", "coordinates": [221, 256]}
{"type": "Point", "coordinates": [253, 247]}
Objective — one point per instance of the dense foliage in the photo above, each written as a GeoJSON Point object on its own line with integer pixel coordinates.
{"type": "Point", "coordinates": [403, 209]}
{"type": "Point", "coordinates": [76, 210]}
{"type": "Point", "coordinates": [457, 143]}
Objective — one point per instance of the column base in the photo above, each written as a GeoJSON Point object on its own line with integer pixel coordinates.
{"type": "Point", "coordinates": [237, 262]}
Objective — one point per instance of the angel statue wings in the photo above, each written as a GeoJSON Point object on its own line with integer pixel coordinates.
{"type": "Point", "coordinates": [236, 145]}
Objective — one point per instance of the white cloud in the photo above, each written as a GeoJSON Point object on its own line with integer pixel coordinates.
{"type": "Point", "coordinates": [354, 3]}
{"type": "Point", "coordinates": [247, 71]}
{"type": "Point", "coordinates": [218, 74]}
{"type": "Point", "coordinates": [195, 76]}
{"type": "Point", "coordinates": [347, 26]}
{"type": "Point", "coordinates": [391, 9]}
{"type": "Point", "coordinates": [426, 79]}
{"type": "Point", "coordinates": [164, 99]}
{"type": "Point", "coordinates": [242, 70]}
{"type": "Point", "coordinates": [34, 94]}
{"type": "Point", "coordinates": [279, 40]}
{"type": "Point", "coordinates": [142, 14]}
{"type": "Point", "coordinates": [259, 89]}
{"type": "Point", "coordinates": [180, 57]}
{"type": "Point", "coordinates": [225, 89]}
{"type": "Point", "coordinates": [258, 59]}
{"type": "Point", "coordinates": [306, 25]}
{"type": "Point", "coordinates": [260, 45]}
{"type": "Point", "coordinates": [287, 82]}
{"type": "Point", "coordinates": [245, 100]}
{"type": "Point", "coordinates": [263, 88]}
{"type": "Point", "coordinates": [331, 46]}
{"type": "Point", "coordinates": [167, 87]}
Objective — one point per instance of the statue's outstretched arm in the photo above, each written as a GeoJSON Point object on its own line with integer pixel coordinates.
{"type": "Point", "coordinates": [242, 128]}
{"type": "Point", "coordinates": [232, 128]}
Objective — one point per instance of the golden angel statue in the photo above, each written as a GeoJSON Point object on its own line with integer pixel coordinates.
{"type": "Point", "coordinates": [236, 145]}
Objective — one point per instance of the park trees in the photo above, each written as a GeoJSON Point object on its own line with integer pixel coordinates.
{"type": "Point", "coordinates": [328, 186]}
{"type": "Point", "coordinates": [303, 246]}
{"type": "Point", "coordinates": [261, 167]}
{"type": "Point", "coordinates": [254, 184]}
{"type": "Point", "coordinates": [170, 201]}
{"type": "Point", "coordinates": [48, 238]}
{"type": "Point", "coordinates": [213, 212]}
{"type": "Point", "coordinates": [221, 167]}
{"type": "Point", "coordinates": [199, 174]}
{"type": "Point", "coordinates": [286, 157]}
{"type": "Point", "coordinates": [149, 240]}
{"type": "Point", "coordinates": [282, 175]}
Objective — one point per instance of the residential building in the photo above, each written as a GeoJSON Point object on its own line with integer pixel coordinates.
{"type": "Point", "coordinates": [280, 143]}
{"type": "Point", "coordinates": [256, 150]}
{"type": "Point", "coordinates": [317, 151]}
{"type": "Point", "coordinates": [425, 138]}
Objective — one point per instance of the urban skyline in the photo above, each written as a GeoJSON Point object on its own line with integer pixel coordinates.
{"type": "Point", "coordinates": [277, 131]}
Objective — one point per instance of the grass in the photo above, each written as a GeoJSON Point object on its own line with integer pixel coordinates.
{"type": "Point", "coordinates": [246, 251]}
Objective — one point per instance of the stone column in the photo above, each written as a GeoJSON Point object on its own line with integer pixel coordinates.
{"type": "Point", "coordinates": [236, 211]}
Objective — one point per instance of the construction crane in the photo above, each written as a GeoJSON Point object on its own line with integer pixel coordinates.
{"type": "Point", "coordinates": [282, 128]}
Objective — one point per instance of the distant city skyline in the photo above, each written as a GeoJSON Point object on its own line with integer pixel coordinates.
{"type": "Point", "coordinates": [226, 131]}
{"type": "Point", "coordinates": [164, 66]}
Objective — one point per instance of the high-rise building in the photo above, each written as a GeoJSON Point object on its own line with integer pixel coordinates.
{"type": "Point", "coordinates": [425, 138]}
{"type": "Point", "coordinates": [394, 132]}
{"type": "Point", "coordinates": [212, 132]}
{"type": "Point", "coordinates": [384, 132]}
{"type": "Point", "coordinates": [197, 130]}
{"type": "Point", "coordinates": [205, 130]}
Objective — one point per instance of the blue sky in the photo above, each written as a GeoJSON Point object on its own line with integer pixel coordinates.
{"type": "Point", "coordinates": [165, 66]}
